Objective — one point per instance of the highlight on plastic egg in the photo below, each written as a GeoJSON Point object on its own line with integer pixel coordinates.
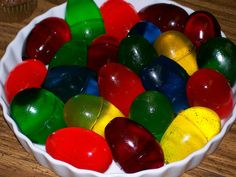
{"type": "Point", "coordinates": [176, 46]}
{"type": "Point", "coordinates": [81, 148]}
{"type": "Point", "coordinates": [90, 112]}
{"type": "Point", "coordinates": [38, 113]}
{"type": "Point", "coordinates": [132, 146]}
{"type": "Point", "coordinates": [189, 132]}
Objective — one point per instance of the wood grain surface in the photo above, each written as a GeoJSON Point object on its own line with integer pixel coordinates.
{"type": "Point", "coordinates": [16, 162]}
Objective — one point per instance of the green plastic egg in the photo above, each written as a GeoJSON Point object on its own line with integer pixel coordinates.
{"type": "Point", "coordinates": [84, 19]}
{"type": "Point", "coordinates": [38, 113]}
{"type": "Point", "coordinates": [152, 110]}
{"type": "Point", "coordinates": [73, 52]}
{"type": "Point", "coordinates": [135, 52]}
{"type": "Point", "coordinates": [219, 54]}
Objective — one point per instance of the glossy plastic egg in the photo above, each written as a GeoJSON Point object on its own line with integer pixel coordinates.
{"type": "Point", "coordinates": [165, 16]}
{"type": "Point", "coordinates": [102, 50]}
{"type": "Point", "coordinates": [178, 47]}
{"type": "Point", "coordinates": [152, 110]}
{"type": "Point", "coordinates": [119, 85]}
{"type": "Point", "coordinates": [27, 74]}
{"type": "Point", "coordinates": [209, 88]}
{"type": "Point", "coordinates": [219, 54]}
{"type": "Point", "coordinates": [81, 148]}
{"type": "Point", "coordinates": [84, 19]}
{"type": "Point", "coordinates": [132, 146]}
{"type": "Point", "coordinates": [90, 112]}
{"type": "Point", "coordinates": [46, 38]}
{"type": "Point", "coordinates": [135, 52]}
{"type": "Point", "coordinates": [145, 29]}
{"type": "Point", "coordinates": [119, 16]}
{"type": "Point", "coordinates": [73, 52]}
{"type": "Point", "coordinates": [67, 81]}
{"type": "Point", "coordinates": [38, 113]}
{"type": "Point", "coordinates": [189, 131]}
{"type": "Point", "coordinates": [168, 77]}
{"type": "Point", "coordinates": [201, 25]}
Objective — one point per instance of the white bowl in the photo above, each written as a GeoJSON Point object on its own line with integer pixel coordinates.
{"type": "Point", "coordinates": [13, 56]}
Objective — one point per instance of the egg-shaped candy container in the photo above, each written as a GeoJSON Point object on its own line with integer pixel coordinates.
{"type": "Point", "coordinates": [76, 146]}
{"type": "Point", "coordinates": [132, 146]}
{"type": "Point", "coordinates": [189, 131]}
{"type": "Point", "coordinates": [38, 113]}
{"type": "Point", "coordinates": [102, 50]}
{"type": "Point", "coordinates": [68, 81]}
{"type": "Point", "coordinates": [176, 46]}
{"type": "Point", "coordinates": [119, 85]}
{"type": "Point", "coordinates": [46, 38]}
{"type": "Point", "coordinates": [219, 54]}
{"type": "Point", "coordinates": [154, 111]}
{"type": "Point", "coordinates": [119, 16]}
{"type": "Point", "coordinates": [168, 77]}
{"type": "Point", "coordinates": [209, 88]}
{"type": "Point", "coordinates": [146, 29]}
{"type": "Point", "coordinates": [165, 16]}
{"type": "Point", "coordinates": [73, 52]}
{"type": "Point", "coordinates": [90, 112]}
{"type": "Point", "coordinates": [200, 26]}
{"type": "Point", "coordinates": [135, 52]}
{"type": "Point", "coordinates": [84, 19]}
{"type": "Point", "coordinates": [27, 74]}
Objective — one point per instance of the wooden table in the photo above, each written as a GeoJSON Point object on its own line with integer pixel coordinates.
{"type": "Point", "coordinates": [15, 161]}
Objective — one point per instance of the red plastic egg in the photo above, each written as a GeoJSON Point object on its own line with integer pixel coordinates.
{"type": "Point", "coordinates": [209, 88]}
{"type": "Point", "coordinates": [132, 146]}
{"type": "Point", "coordinates": [46, 38]}
{"type": "Point", "coordinates": [101, 51]}
{"type": "Point", "coordinates": [201, 26]}
{"type": "Point", "coordinates": [27, 74]}
{"type": "Point", "coordinates": [119, 85]}
{"type": "Point", "coordinates": [81, 148]}
{"type": "Point", "coordinates": [165, 16]}
{"type": "Point", "coordinates": [119, 16]}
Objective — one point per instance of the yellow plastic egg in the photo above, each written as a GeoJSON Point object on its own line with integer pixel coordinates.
{"type": "Point", "coordinates": [190, 131]}
{"type": "Point", "coordinates": [178, 47]}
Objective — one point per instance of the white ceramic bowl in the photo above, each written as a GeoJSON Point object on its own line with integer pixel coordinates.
{"type": "Point", "coordinates": [13, 56]}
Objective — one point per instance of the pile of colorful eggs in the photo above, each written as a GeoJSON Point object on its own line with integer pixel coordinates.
{"type": "Point", "coordinates": [143, 88]}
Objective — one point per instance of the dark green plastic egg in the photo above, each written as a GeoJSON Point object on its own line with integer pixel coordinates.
{"type": "Point", "coordinates": [152, 110]}
{"type": "Point", "coordinates": [219, 54]}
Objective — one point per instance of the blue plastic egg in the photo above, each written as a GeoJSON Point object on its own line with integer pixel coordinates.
{"type": "Point", "coordinates": [68, 81]}
{"type": "Point", "coordinates": [168, 77]}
